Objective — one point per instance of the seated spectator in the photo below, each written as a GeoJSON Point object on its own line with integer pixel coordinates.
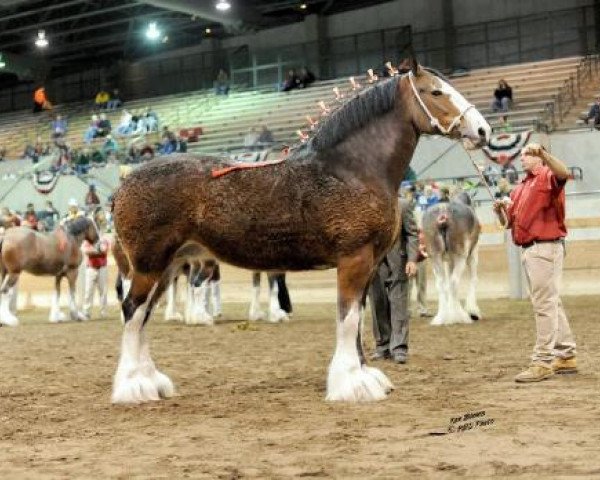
{"type": "Point", "coordinates": [504, 125]}
{"type": "Point", "coordinates": [151, 120]}
{"type": "Point", "coordinates": [9, 219]}
{"type": "Point", "coordinates": [125, 123]}
{"type": "Point", "coordinates": [181, 144]}
{"type": "Point", "coordinates": [594, 113]}
{"type": "Point", "coordinates": [305, 77]}
{"type": "Point", "coordinates": [102, 98]}
{"type": "Point", "coordinates": [138, 123]}
{"type": "Point", "coordinates": [266, 136]}
{"type": "Point", "coordinates": [104, 127]}
{"type": "Point", "coordinates": [30, 219]}
{"type": "Point", "coordinates": [510, 173]}
{"type": "Point", "coordinates": [502, 97]}
{"type": "Point", "coordinates": [91, 198]}
{"type": "Point", "coordinates": [251, 138]}
{"type": "Point", "coordinates": [58, 127]}
{"type": "Point", "coordinates": [491, 173]}
{"type": "Point", "coordinates": [221, 83]}
{"type": "Point", "coordinates": [110, 146]}
{"type": "Point", "coordinates": [92, 130]}
{"type": "Point", "coordinates": [30, 153]}
{"type": "Point", "coordinates": [40, 101]}
{"type": "Point", "coordinates": [147, 152]}
{"type": "Point", "coordinates": [292, 81]}
{"type": "Point", "coordinates": [503, 189]}
{"type": "Point", "coordinates": [50, 216]}
{"type": "Point", "coordinates": [98, 158]}
{"type": "Point", "coordinates": [169, 141]}
{"type": "Point", "coordinates": [115, 100]}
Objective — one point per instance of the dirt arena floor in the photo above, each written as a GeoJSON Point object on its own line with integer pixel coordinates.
{"type": "Point", "coordinates": [250, 402]}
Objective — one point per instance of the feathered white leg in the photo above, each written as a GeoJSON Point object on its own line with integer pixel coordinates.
{"type": "Point", "coordinates": [276, 313]}
{"type": "Point", "coordinates": [215, 297]}
{"type": "Point", "coordinates": [255, 314]}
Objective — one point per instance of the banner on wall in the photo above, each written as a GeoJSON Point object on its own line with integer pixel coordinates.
{"type": "Point", "coordinates": [505, 147]}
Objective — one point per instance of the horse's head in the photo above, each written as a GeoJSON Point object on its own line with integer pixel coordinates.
{"type": "Point", "coordinates": [84, 227]}
{"type": "Point", "coordinates": [438, 108]}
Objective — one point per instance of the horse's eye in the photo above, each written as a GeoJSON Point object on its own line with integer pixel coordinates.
{"type": "Point", "coordinates": [436, 93]}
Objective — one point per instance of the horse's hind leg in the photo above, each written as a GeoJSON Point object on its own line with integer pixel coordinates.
{"type": "Point", "coordinates": [349, 378]}
{"type": "Point", "coordinates": [198, 288]}
{"type": "Point", "coordinates": [171, 313]}
{"type": "Point", "coordinates": [456, 312]}
{"type": "Point", "coordinates": [441, 282]}
{"type": "Point", "coordinates": [137, 379]}
{"type": "Point", "coordinates": [7, 291]}
{"type": "Point", "coordinates": [471, 301]}
{"type": "Point", "coordinates": [255, 312]}
{"type": "Point", "coordinates": [276, 313]}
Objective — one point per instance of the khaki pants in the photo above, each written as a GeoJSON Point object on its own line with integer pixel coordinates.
{"type": "Point", "coordinates": [543, 264]}
{"type": "Point", "coordinates": [95, 278]}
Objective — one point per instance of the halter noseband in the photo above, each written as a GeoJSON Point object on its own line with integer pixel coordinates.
{"type": "Point", "coordinates": [435, 123]}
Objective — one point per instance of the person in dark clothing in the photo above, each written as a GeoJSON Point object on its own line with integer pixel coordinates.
{"type": "Point", "coordinates": [305, 77]}
{"type": "Point", "coordinates": [594, 113]}
{"type": "Point", "coordinates": [502, 97]}
{"type": "Point", "coordinates": [104, 126]}
{"type": "Point", "coordinates": [292, 81]}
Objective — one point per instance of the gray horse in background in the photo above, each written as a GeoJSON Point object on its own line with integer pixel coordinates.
{"type": "Point", "coordinates": [451, 233]}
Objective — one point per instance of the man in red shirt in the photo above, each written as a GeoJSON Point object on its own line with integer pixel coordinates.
{"type": "Point", "coordinates": [96, 273]}
{"type": "Point", "coordinates": [536, 216]}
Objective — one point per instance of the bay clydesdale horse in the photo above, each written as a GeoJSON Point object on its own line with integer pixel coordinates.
{"type": "Point", "coordinates": [331, 204]}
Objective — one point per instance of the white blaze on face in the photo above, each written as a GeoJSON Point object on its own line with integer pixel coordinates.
{"type": "Point", "coordinates": [473, 121]}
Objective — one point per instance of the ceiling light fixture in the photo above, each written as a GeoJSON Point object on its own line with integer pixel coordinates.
{"type": "Point", "coordinates": [41, 40]}
{"type": "Point", "coordinates": [208, 31]}
{"type": "Point", "coordinates": [152, 32]}
{"type": "Point", "coordinates": [303, 6]}
{"type": "Point", "coordinates": [2, 62]}
{"type": "Point", "coordinates": [223, 5]}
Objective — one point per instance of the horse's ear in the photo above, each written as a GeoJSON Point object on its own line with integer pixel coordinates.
{"type": "Point", "coordinates": [414, 65]}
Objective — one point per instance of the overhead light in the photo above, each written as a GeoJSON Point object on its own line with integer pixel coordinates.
{"type": "Point", "coordinates": [41, 40]}
{"type": "Point", "coordinates": [303, 6]}
{"type": "Point", "coordinates": [152, 32]}
{"type": "Point", "coordinates": [2, 62]}
{"type": "Point", "coordinates": [223, 5]}
{"type": "Point", "coordinates": [208, 31]}
{"type": "Point", "coordinates": [165, 39]}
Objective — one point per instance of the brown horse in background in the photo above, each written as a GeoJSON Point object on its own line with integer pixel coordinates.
{"type": "Point", "coordinates": [331, 204]}
{"type": "Point", "coordinates": [57, 253]}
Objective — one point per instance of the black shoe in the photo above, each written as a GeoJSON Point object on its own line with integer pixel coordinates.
{"type": "Point", "coordinates": [381, 355]}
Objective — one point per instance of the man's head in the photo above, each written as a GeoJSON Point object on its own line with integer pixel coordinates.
{"type": "Point", "coordinates": [92, 187]}
{"type": "Point", "coordinates": [530, 160]}
{"type": "Point", "coordinates": [30, 207]}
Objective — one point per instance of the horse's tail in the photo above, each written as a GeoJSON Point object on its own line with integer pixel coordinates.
{"type": "Point", "coordinates": [442, 225]}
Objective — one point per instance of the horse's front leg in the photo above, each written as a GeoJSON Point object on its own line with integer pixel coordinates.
{"type": "Point", "coordinates": [255, 314]}
{"type": "Point", "coordinates": [171, 313]}
{"type": "Point", "coordinates": [350, 379]}
{"type": "Point", "coordinates": [76, 315]}
{"type": "Point", "coordinates": [7, 294]}
{"type": "Point", "coordinates": [56, 315]}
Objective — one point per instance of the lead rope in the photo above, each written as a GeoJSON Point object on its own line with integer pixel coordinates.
{"type": "Point", "coordinates": [484, 181]}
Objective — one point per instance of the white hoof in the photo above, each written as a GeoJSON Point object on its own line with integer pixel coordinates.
{"type": "Point", "coordinates": [200, 318]}
{"type": "Point", "coordinates": [9, 320]}
{"type": "Point", "coordinates": [173, 317]}
{"type": "Point", "coordinates": [473, 312]}
{"type": "Point", "coordinates": [57, 316]}
{"type": "Point", "coordinates": [137, 386]}
{"type": "Point", "coordinates": [256, 315]}
{"type": "Point", "coordinates": [278, 315]}
{"type": "Point", "coordinates": [451, 319]}
{"type": "Point", "coordinates": [79, 317]}
{"type": "Point", "coordinates": [348, 381]}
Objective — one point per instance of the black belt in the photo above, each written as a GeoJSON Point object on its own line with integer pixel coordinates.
{"type": "Point", "coordinates": [532, 243]}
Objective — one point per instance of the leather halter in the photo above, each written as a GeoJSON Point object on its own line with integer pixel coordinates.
{"type": "Point", "coordinates": [435, 123]}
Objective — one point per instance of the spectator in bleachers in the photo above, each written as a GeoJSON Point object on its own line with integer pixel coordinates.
{"type": "Point", "coordinates": [151, 120]}
{"type": "Point", "coordinates": [125, 123]}
{"type": "Point", "coordinates": [503, 189]}
{"type": "Point", "coordinates": [40, 101]}
{"type": "Point", "coordinates": [222, 83]}
{"type": "Point", "coordinates": [50, 216]}
{"type": "Point", "coordinates": [169, 141]}
{"type": "Point", "coordinates": [266, 136]}
{"type": "Point", "coordinates": [138, 123]}
{"type": "Point", "coordinates": [305, 77]}
{"type": "Point", "coordinates": [110, 147]}
{"type": "Point", "coordinates": [504, 125]}
{"type": "Point", "coordinates": [30, 219]}
{"type": "Point", "coordinates": [29, 152]}
{"type": "Point", "coordinates": [251, 138]}
{"type": "Point", "coordinates": [510, 173]}
{"type": "Point", "coordinates": [491, 174]}
{"type": "Point", "coordinates": [9, 219]}
{"type": "Point", "coordinates": [104, 126]}
{"type": "Point", "coordinates": [444, 194]}
{"type": "Point", "coordinates": [115, 100]}
{"type": "Point", "coordinates": [74, 211]}
{"type": "Point", "coordinates": [81, 161]}
{"type": "Point", "coordinates": [91, 198]}
{"type": "Point", "coordinates": [503, 97]}
{"type": "Point", "coordinates": [102, 98]}
{"type": "Point", "coordinates": [594, 113]}
{"type": "Point", "coordinates": [58, 127]}
{"type": "Point", "coordinates": [92, 130]}
{"type": "Point", "coordinates": [292, 81]}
